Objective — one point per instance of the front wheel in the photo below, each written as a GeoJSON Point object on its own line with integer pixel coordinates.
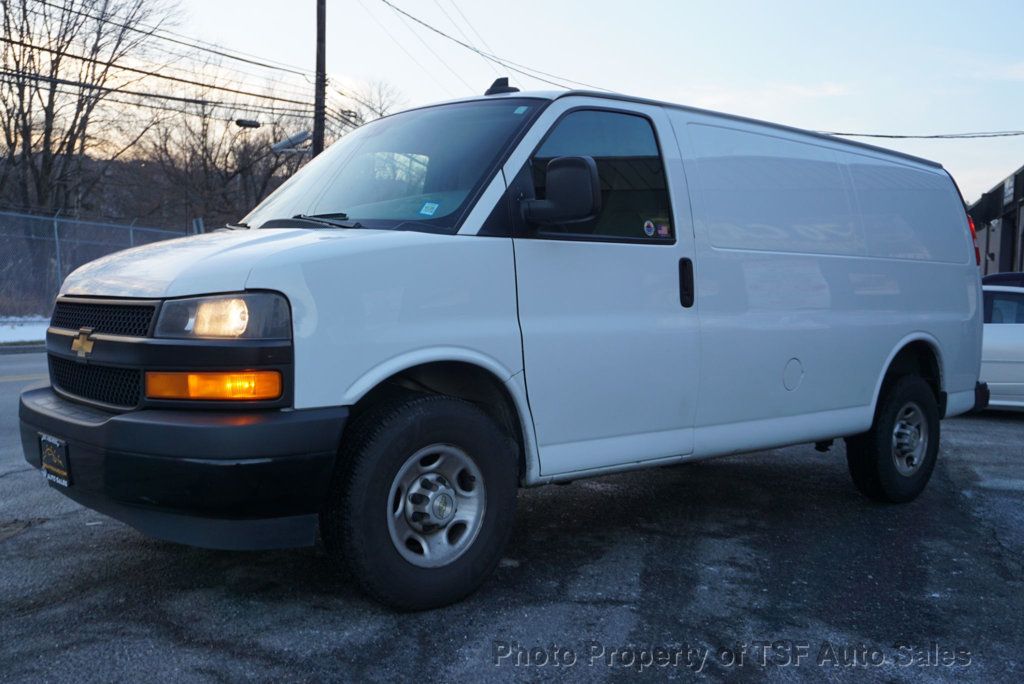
{"type": "Point", "coordinates": [893, 461]}
{"type": "Point", "coordinates": [422, 503]}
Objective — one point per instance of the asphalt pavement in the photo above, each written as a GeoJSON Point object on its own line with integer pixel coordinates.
{"type": "Point", "coordinates": [762, 566]}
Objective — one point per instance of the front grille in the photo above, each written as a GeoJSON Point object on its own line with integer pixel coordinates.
{"type": "Point", "coordinates": [114, 386]}
{"type": "Point", "coordinates": [131, 320]}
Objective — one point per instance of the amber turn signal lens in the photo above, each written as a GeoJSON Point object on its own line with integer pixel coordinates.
{"type": "Point", "coordinates": [215, 386]}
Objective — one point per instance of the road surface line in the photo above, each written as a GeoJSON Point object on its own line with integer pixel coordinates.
{"type": "Point", "coordinates": [22, 378]}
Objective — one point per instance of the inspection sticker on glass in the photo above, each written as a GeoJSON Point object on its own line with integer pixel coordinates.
{"type": "Point", "coordinates": [429, 208]}
{"type": "Point", "coordinates": [657, 226]}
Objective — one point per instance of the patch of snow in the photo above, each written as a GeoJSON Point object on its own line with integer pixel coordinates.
{"type": "Point", "coordinates": [23, 329]}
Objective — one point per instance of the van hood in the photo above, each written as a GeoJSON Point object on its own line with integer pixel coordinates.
{"type": "Point", "coordinates": [201, 264]}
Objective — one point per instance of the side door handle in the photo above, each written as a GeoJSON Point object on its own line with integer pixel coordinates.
{"type": "Point", "coordinates": [686, 282]}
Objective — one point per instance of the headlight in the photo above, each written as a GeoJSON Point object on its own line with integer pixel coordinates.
{"type": "Point", "coordinates": [249, 316]}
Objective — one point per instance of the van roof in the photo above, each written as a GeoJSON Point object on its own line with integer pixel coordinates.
{"type": "Point", "coordinates": [558, 94]}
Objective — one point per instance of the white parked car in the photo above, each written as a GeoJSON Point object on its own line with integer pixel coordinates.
{"type": "Point", "coordinates": [1002, 356]}
{"type": "Point", "coordinates": [505, 291]}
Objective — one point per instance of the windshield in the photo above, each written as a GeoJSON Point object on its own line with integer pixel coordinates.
{"type": "Point", "coordinates": [419, 169]}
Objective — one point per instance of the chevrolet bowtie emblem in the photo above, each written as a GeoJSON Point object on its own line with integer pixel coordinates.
{"type": "Point", "coordinates": [82, 344]}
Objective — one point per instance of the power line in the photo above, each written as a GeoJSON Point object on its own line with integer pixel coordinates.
{"type": "Point", "coordinates": [201, 84]}
{"type": "Point", "coordinates": [220, 74]}
{"type": "Point", "coordinates": [471, 27]}
{"type": "Point", "coordinates": [937, 136]}
{"type": "Point", "coordinates": [223, 74]}
{"type": "Point", "coordinates": [462, 33]}
{"type": "Point", "coordinates": [403, 49]}
{"type": "Point", "coordinates": [341, 117]}
{"type": "Point", "coordinates": [479, 36]}
{"type": "Point", "coordinates": [438, 57]}
{"type": "Point", "coordinates": [258, 60]}
{"type": "Point", "coordinates": [350, 96]}
{"type": "Point", "coordinates": [508, 64]}
{"type": "Point", "coordinates": [175, 110]}
{"type": "Point", "coordinates": [154, 74]}
{"type": "Point", "coordinates": [159, 96]}
{"type": "Point", "coordinates": [155, 31]}
{"type": "Point", "coordinates": [336, 133]}
{"type": "Point", "coordinates": [468, 46]}
{"type": "Point", "coordinates": [178, 55]}
{"type": "Point", "coordinates": [195, 44]}
{"type": "Point", "coordinates": [206, 45]}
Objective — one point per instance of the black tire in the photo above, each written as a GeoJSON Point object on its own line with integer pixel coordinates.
{"type": "Point", "coordinates": [870, 456]}
{"type": "Point", "coordinates": [354, 524]}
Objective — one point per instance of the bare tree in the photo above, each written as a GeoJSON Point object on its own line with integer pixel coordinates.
{"type": "Point", "coordinates": [61, 61]}
{"type": "Point", "coordinates": [374, 100]}
{"type": "Point", "coordinates": [91, 125]}
{"type": "Point", "coordinates": [217, 170]}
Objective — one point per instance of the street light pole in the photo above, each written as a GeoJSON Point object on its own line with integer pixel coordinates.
{"type": "Point", "coordinates": [319, 108]}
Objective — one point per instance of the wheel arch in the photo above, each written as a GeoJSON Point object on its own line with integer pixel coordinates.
{"type": "Point", "coordinates": [918, 353]}
{"type": "Point", "coordinates": [458, 373]}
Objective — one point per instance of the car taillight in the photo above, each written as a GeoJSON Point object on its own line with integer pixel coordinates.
{"type": "Point", "coordinates": [974, 237]}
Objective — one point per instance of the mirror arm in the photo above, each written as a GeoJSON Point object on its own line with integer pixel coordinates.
{"type": "Point", "coordinates": [538, 211]}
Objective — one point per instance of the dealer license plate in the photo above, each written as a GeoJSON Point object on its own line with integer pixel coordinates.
{"type": "Point", "coordinates": [56, 466]}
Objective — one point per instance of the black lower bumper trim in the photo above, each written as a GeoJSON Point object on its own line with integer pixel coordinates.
{"type": "Point", "coordinates": [244, 534]}
{"type": "Point", "coordinates": [217, 479]}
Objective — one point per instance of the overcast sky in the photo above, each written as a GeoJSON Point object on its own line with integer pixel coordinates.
{"type": "Point", "coordinates": [908, 67]}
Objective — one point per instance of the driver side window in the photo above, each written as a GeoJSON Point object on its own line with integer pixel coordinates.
{"type": "Point", "coordinates": [634, 192]}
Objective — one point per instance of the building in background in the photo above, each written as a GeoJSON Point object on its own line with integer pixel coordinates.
{"type": "Point", "coordinates": [999, 219]}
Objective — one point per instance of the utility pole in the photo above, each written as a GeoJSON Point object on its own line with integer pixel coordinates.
{"type": "Point", "coordinates": [319, 108]}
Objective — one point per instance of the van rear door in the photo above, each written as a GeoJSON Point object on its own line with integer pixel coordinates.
{"type": "Point", "coordinates": [611, 352]}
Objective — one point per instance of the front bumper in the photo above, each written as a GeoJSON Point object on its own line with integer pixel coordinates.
{"type": "Point", "coordinates": [217, 479]}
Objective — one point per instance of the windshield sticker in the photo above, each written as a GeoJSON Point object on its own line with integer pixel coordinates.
{"type": "Point", "coordinates": [429, 208]}
{"type": "Point", "coordinates": [520, 110]}
{"type": "Point", "coordinates": [649, 228]}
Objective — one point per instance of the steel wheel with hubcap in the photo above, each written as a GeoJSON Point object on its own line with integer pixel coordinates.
{"type": "Point", "coordinates": [422, 501]}
{"type": "Point", "coordinates": [894, 460]}
{"type": "Point", "coordinates": [437, 502]}
{"type": "Point", "coordinates": [909, 439]}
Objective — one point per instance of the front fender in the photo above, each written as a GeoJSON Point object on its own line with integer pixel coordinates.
{"type": "Point", "coordinates": [382, 371]}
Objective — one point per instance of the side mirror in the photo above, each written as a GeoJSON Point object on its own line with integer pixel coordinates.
{"type": "Point", "coordinates": [573, 193]}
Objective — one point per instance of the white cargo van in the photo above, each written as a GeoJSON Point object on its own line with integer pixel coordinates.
{"type": "Point", "coordinates": [507, 291]}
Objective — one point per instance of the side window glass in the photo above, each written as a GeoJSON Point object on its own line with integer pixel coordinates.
{"type": "Point", "coordinates": [634, 193]}
{"type": "Point", "coordinates": [1004, 307]}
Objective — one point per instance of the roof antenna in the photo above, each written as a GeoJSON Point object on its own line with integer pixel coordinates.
{"type": "Point", "coordinates": [500, 86]}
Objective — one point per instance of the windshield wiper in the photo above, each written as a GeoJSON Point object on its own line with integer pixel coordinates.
{"type": "Point", "coordinates": [337, 219]}
{"type": "Point", "coordinates": [332, 215]}
{"type": "Point", "coordinates": [304, 221]}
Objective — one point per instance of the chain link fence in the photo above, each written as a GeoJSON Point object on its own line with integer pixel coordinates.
{"type": "Point", "coordinates": [37, 252]}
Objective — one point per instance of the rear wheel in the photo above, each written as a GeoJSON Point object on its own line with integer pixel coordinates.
{"type": "Point", "coordinates": [893, 461]}
{"type": "Point", "coordinates": [422, 503]}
